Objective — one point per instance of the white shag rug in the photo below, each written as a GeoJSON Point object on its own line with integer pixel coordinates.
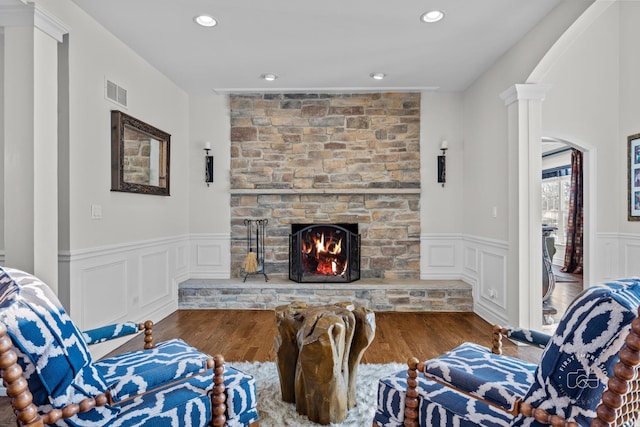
{"type": "Point", "coordinates": [273, 412]}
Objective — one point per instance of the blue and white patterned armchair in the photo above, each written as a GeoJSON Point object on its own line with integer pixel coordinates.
{"type": "Point", "coordinates": [597, 339]}
{"type": "Point", "coordinates": [52, 380]}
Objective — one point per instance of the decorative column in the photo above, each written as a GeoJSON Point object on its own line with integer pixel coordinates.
{"type": "Point", "coordinates": [524, 275]}
{"type": "Point", "coordinates": [30, 138]}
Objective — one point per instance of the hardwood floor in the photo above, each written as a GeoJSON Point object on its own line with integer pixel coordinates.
{"type": "Point", "coordinates": [247, 335]}
{"type": "Point", "coordinates": [568, 286]}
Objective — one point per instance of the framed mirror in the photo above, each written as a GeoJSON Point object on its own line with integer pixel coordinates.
{"type": "Point", "coordinates": [139, 156]}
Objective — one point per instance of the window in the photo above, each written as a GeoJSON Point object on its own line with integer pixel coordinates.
{"type": "Point", "coordinates": [556, 187]}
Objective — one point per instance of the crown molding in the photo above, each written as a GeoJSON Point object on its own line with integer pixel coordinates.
{"type": "Point", "coordinates": [19, 14]}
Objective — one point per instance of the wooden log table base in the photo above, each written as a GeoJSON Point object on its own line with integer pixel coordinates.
{"type": "Point", "coordinates": [317, 353]}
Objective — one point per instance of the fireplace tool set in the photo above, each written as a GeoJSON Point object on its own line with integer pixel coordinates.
{"type": "Point", "coordinates": [254, 261]}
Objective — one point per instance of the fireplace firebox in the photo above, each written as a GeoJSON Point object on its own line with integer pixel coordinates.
{"type": "Point", "coordinates": [321, 253]}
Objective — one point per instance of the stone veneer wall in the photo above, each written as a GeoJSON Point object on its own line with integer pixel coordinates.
{"type": "Point", "coordinates": [329, 158]}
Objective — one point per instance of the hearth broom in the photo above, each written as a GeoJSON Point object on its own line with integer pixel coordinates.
{"type": "Point", "coordinates": [251, 260]}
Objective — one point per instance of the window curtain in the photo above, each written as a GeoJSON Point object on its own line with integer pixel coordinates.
{"type": "Point", "coordinates": [573, 256]}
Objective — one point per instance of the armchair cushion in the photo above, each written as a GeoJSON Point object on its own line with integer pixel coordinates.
{"type": "Point", "coordinates": [502, 380]}
{"type": "Point", "coordinates": [136, 372]}
{"type": "Point", "coordinates": [439, 405]}
{"type": "Point", "coordinates": [51, 350]}
{"type": "Point", "coordinates": [186, 403]}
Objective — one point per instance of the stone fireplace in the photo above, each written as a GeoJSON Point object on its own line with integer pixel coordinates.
{"type": "Point", "coordinates": [321, 253]}
{"type": "Point", "coordinates": [329, 159]}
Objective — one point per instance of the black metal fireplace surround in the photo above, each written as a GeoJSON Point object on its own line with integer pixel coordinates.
{"type": "Point", "coordinates": [320, 253]}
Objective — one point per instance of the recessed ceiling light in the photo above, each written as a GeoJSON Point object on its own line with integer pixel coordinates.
{"type": "Point", "coordinates": [270, 77]}
{"type": "Point", "coordinates": [377, 76]}
{"type": "Point", "coordinates": [432, 16]}
{"type": "Point", "coordinates": [205, 20]}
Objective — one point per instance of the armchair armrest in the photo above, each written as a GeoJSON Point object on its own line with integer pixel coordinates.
{"type": "Point", "coordinates": [538, 339]}
{"type": "Point", "coordinates": [117, 330]}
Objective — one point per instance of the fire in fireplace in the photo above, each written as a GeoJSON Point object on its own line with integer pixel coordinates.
{"type": "Point", "coordinates": [324, 253]}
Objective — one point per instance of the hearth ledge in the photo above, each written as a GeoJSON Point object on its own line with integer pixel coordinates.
{"type": "Point", "coordinates": [376, 294]}
{"type": "Point", "coordinates": [328, 191]}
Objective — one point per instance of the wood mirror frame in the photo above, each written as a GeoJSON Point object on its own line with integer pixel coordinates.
{"type": "Point", "coordinates": [139, 156]}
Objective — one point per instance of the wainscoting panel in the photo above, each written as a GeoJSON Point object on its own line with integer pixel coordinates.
{"type": "Point", "coordinates": [135, 281]}
{"type": "Point", "coordinates": [154, 283]}
{"type": "Point", "coordinates": [471, 259]}
{"type": "Point", "coordinates": [104, 294]}
{"type": "Point", "coordinates": [607, 255]}
{"type": "Point", "coordinates": [631, 250]}
{"type": "Point", "coordinates": [209, 256]}
{"type": "Point", "coordinates": [478, 261]}
{"type": "Point", "coordinates": [485, 268]}
{"type": "Point", "coordinates": [441, 255]}
{"type": "Point", "coordinates": [493, 279]}
{"type": "Point", "coordinates": [616, 256]}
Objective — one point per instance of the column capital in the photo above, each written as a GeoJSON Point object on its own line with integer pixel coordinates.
{"type": "Point", "coordinates": [15, 13]}
{"type": "Point", "coordinates": [528, 91]}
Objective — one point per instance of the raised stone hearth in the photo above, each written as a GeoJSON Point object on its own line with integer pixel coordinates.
{"type": "Point", "coordinates": [375, 294]}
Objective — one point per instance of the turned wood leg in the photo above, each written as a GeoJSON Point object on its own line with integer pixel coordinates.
{"type": "Point", "coordinates": [622, 382]}
{"type": "Point", "coordinates": [411, 398]}
{"type": "Point", "coordinates": [148, 333]}
{"type": "Point", "coordinates": [17, 389]}
{"type": "Point", "coordinates": [497, 333]}
{"type": "Point", "coordinates": [218, 396]}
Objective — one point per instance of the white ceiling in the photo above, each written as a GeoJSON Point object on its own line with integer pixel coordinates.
{"type": "Point", "coordinates": [319, 45]}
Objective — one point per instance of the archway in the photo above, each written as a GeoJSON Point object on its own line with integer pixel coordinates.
{"type": "Point", "coordinates": [589, 195]}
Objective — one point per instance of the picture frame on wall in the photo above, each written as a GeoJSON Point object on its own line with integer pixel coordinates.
{"type": "Point", "coordinates": [633, 162]}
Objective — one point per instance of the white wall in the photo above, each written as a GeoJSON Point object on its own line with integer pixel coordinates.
{"type": "Point", "coordinates": [629, 92]}
{"type": "Point", "coordinates": [127, 265]}
{"type": "Point", "coordinates": [2, 148]}
{"type": "Point", "coordinates": [487, 257]}
{"type": "Point", "coordinates": [209, 206]}
{"type": "Point", "coordinates": [596, 73]}
{"type": "Point", "coordinates": [209, 120]}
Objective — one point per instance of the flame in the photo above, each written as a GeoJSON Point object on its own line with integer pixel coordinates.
{"type": "Point", "coordinates": [326, 251]}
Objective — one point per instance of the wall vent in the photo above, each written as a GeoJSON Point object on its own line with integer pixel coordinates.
{"type": "Point", "coordinates": [115, 93]}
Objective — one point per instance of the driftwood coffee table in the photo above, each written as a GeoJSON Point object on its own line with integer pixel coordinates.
{"type": "Point", "coordinates": [317, 353]}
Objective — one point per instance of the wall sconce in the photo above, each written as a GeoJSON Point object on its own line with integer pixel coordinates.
{"type": "Point", "coordinates": [208, 165]}
{"type": "Point", "coordinates": [442, 163]}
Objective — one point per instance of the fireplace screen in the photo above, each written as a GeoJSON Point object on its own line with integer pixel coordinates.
{"type": "Point", "coordinates": [324, 253]}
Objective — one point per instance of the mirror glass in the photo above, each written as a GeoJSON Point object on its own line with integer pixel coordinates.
{"type": "Point", "coordinates": [140, 156]}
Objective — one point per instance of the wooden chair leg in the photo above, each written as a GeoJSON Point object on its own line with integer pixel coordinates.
{"type": "Point", "coordinates": [148, 333]}
{"type": "Point", "coordinates": [218, 396]}
{"type": "Point", "coordinates": [411, 399]}
{"type": "Point", "coordinates": [17, 389]}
